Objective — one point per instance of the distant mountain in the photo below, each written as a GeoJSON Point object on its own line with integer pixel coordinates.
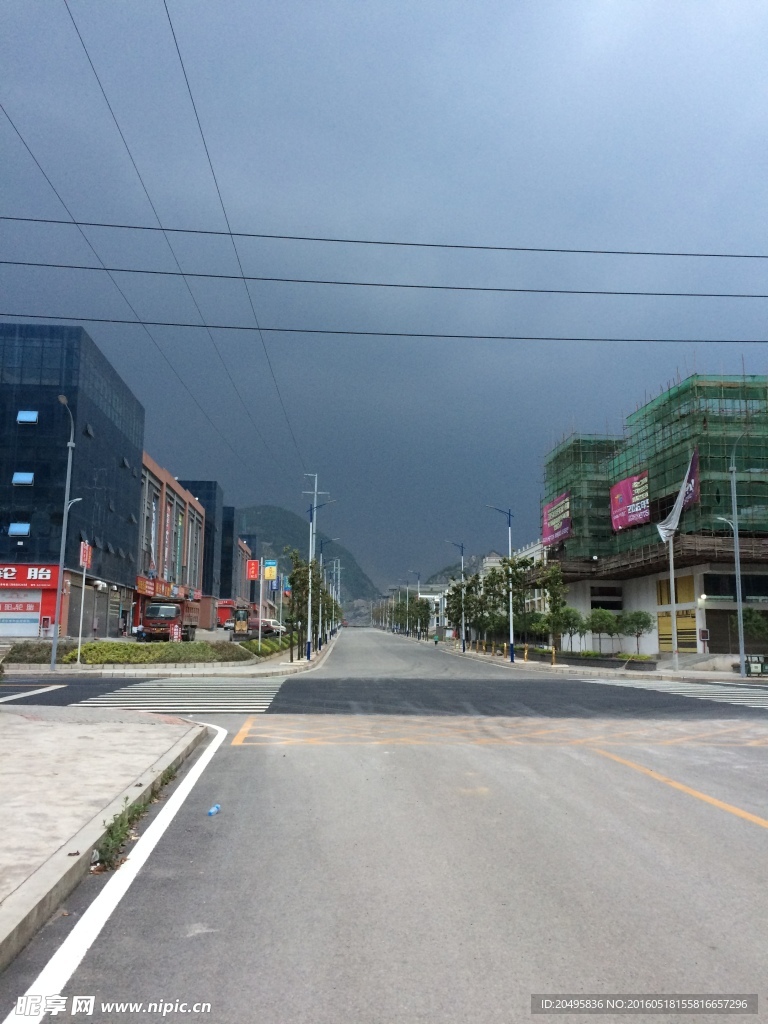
{"type": "Point", "coordinates": [472, 565]}
{"type": "Point", "coordinates": [268, 529]}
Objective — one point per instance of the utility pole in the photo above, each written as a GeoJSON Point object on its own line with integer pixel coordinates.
{"type": "Point", "coordinates": [312, 533]}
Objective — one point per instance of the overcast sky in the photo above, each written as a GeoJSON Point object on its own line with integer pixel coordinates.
{"type": "Point", "coordinates": [528, 123]}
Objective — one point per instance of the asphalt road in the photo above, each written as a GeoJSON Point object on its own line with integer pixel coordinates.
{"type": "Point", "coordinates": [406, 836]}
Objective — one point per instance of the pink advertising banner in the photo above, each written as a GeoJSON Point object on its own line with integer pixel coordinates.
{"type": "Point", "coordinates": [556, 519]}
{"type": "Point", "coordinates": [630, 504]}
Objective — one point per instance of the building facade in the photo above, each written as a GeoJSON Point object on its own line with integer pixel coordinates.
{"type": "Point", "coordinates": [37, 365]}
{"type": "Point", "coordinates": [605, 495]}
{"type": "Point", "coordinates": [170, 545]}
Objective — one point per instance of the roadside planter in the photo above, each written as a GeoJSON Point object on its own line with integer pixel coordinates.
{"type": "Point", "coordinates": [567, 658]}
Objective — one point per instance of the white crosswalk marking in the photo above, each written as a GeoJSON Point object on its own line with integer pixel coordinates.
{"type": "Point", "coordinates": [725, 693]}
{"type": "Point", "coordinates": [193, 695]}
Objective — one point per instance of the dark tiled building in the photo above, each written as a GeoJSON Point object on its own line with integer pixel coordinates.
{"type": "Point", "coordinates": [37, 364]}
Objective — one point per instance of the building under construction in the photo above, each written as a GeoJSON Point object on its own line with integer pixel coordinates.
{"type": "Point", "coordinates": [607, 542]}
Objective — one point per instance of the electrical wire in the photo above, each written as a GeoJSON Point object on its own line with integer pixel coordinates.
{"type": "Point", "coordinates": [396, 334]}
{"type": "Point", "coordinates": [138, 321]}
{"type": "Point", "coordinates": [388, 284]}
{"type": "Point", "coordinates": [234, 244]}
{"type": "Point", "coordinates": [167, 239]}
{"type": "Point", "coordinates": [406, 244]}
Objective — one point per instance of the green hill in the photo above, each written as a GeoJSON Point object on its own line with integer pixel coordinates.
{"type": "Point", "coordinates": [268, 529]}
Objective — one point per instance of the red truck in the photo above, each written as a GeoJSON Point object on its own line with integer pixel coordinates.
{"type": "Point", "coordinates": [164, 619]}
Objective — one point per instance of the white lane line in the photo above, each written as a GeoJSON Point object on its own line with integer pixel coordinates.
{"type": "Point", "coordinates": [68, 957]}
{"type": "Point", "coordinates": [32, 693]}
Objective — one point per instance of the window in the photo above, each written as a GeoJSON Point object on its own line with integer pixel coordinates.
{"type": "Point", "coordinates": [110, 547]}
{"type": "Point", "coordinates": [26, 416]}
{"type": "Point", "coordinates": [88, 430]}
{"type": "Point", "coordinates": [23, 479]}
{"type": "Point", "coordinates": [124, 463]}
{"type": "Point", "coordinates": [18, 530]}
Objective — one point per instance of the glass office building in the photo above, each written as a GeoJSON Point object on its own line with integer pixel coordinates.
{"type": "Point", "coordinates": [37, 364]}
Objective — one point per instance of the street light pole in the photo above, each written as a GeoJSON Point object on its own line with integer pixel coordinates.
{"type": "Point", "coordinates": [413, 572]}
{"type": "Point", "coordinates": [64, 523]}
{"type": "Point", "coordinates": [508, 514]}
{"type": "Point", "coordinates": [463, 623]}
{"type": "Point", "coordinates": [737, 560]}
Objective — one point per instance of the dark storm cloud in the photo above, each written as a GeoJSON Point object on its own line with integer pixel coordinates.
{"type": "Point", "coordinates": [605, 125]}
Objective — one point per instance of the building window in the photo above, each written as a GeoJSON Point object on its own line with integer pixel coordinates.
{"type": "Point", "coordinates": [18, 530]}
{"type": "Point", "coordinates": [124, 463]}
{"type": "Point", "coordinates": [606, 597]}
{"type": "Point", "coordinates": [88, 430]}
{"type": "Point", "coordinates": [26, 416]}
{"type": "Point", "coordinates": [23, 479]}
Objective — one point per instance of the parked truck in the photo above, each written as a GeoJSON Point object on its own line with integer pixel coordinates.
{"type": "Point", "coordinates": [170, 620]}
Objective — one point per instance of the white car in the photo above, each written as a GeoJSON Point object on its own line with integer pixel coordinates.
{"type": "Point", "coordinates": [274, 626]}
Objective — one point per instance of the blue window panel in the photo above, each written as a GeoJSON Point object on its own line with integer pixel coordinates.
{"type": "Point", "coordinates": [18, 530]}
{"type": "Point", "coordinates": [26, 416]}
{"type": "Point", "coordinates": [23, 479]}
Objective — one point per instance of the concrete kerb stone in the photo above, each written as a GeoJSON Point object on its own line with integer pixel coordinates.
{"type": "Point", "coordinates": [26, 909]}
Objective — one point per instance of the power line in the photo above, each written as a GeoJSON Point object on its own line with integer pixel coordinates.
{"type": "Point", "coordinates": [396, 334]}
{"type": "Point", "coordinates": [392, 284]}
{"type": "Point", "coordinates": [137, 321]}
{"type": "Point", "coordinates": [234, 245]}
{"type": "Point", "coordinates": [165, 235]}
{"type": "Point", "coordinates": [406, 244]}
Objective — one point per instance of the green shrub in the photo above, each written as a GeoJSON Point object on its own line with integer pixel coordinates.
{"type": "Point", "coordinates": [105, 652]}
{"type": "Point", "coordinates": [267, 647]}
{"type": "Point", "coordinates": [38, 652]}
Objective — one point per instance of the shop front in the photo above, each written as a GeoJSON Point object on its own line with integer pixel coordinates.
{"type": "Point", "coordinates": [28, 600]}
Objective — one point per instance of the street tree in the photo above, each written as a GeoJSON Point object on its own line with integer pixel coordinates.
{"type": "Point", "coordinates": [601, 621]}
{"type": "Point", "coordinates": [571, 622]}
{"type": "Point", "coordinates": [636, 624]}
{"type": "Point", "coordinates": [551, 582]}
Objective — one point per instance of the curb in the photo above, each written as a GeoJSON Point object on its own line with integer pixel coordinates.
{"type": "Point", "coordinates": [27, 908]}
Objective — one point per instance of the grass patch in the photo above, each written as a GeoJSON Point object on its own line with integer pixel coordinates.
{"type": "Point", "coordinates": [118, 831]}
{"type": "Point", "coordinates": [105, 652]}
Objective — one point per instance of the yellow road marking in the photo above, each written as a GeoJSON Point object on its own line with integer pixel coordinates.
{"type": "Point", "coordinates": [762, 822]}
{"type": "Point", "coordinates": [238, 740]}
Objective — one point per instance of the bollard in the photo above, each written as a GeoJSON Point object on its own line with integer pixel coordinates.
{"type": "Point", "coordinates": [525, 652]}
{"type": "Point", "coordinates": [484, 650]}
{"type": "Point", "coordinates": [553, 654]}
{"type": "Point", "coordinates": [505, 650]}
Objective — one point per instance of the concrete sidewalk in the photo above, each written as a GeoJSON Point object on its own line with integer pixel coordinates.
{"type": "Point", "coordinates": [67, 770]}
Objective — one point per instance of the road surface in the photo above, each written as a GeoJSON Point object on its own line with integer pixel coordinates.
{"type": "Point", "coordinates": [409, 836]}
